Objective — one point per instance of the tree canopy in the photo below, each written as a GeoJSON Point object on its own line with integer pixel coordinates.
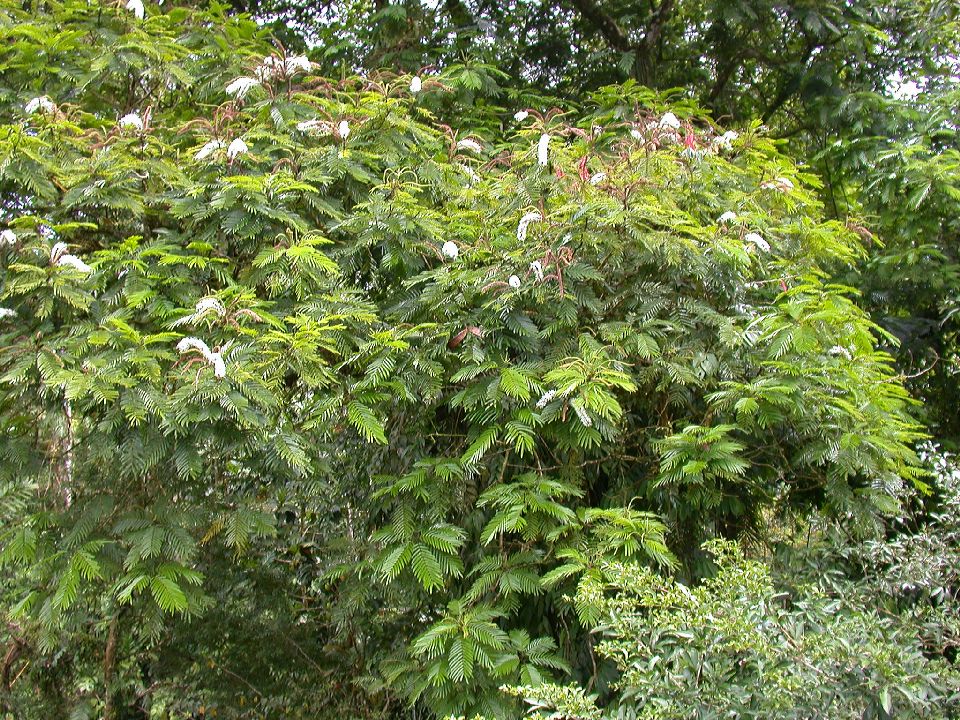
{"type": "Point", "coordinates": [344, 374]}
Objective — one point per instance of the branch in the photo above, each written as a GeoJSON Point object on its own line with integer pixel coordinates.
{"type": "Point", "coordinates": [607, 26]}
{"type": "Point", "coordinates": [657, 22]}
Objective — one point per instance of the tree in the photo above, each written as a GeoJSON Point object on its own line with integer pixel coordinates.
{"type": "Point", "coordinates": [287, 352]}
{"type": "Point", "coordinates": [833, 78]}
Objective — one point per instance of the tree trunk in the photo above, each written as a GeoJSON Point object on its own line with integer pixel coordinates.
{"type": "Point", "coordinates": [109, 668]}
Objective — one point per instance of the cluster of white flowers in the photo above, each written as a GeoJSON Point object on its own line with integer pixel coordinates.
{"type": "Point", "coordinates": [275, 67]}
{"type": "Point", "coordinates": [7, 313]}
{"type": "Point", "coordinates": [42, 104]}
{"type": "Point", "coordinates": [205, 306]}
{"type": "Point", "coordinates": [757, 240]}
{"type": "Point", "coordinates": [416, 84]}
{"type": "Point", "coordinates": [728, 217]}
{"type": "Point", "coordinates": [598, 178]}
{"type": "Point", "coordinates": [450, 250]}
{"type": "Point", "coordinates": [725, 141]}
{"type": "Point", "coordinates": [214, 358]}
{"type": "Point", "coordinates": [343, 129]}
{"type": "Point", "coordinates": [669, 122]}
{"type": "Point", "coordinates": [521, 115]}
{"type": "Point", "coordinates": [8, 237]}
{"type": "Point", "coordinates": [469, 144]}
{"type": "Point", "coordinates": [514, 282]}
{"type": "Point", "coordinates": [525, 222]}
{"type": "Point", "coordinates": [636, 134]}
{"type": "Point", "coordinates": [298, 63]}
{"type": "Point", "coordinates": [543, 150]}
{"type": "Point", "coordinates": [545, 398]}
{"type": "Point", "coordinates": [269, 68]}
{"type": "Point", "coordinates": [781, 184]}
{"type": "Point", "coordinates": [132, 120]}
{"type": "Point", "coordinates": [209, 149]}
{"type": "Point", "coordinates": [582, 413]}
{"type": "Point", "coordinates": [60, 257]}
{"type": "Point", "coordinates": [136, 7]}
{"type": "Point", "coordinates": [236, 148]}
{"type": "Point", "coordinates": [241, 86]}
{"type": "Point", "coordinates": [537, 267]}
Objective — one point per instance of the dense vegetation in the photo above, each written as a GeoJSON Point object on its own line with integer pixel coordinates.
{"type": "Point", "coordinates": [392, 362]}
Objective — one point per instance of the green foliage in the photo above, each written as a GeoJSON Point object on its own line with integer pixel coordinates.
{"type": "Point", "coordinates": [735, 646]}
{"type": "Point", "coordinates": [289, 357]}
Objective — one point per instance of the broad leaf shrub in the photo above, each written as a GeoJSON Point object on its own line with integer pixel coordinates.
{"type": "Point", "coordinates": [910, 572]}
{"type": "Point", "coordinates": [386, 377]}
{"type": "Point", "coordinates": [736, 647]}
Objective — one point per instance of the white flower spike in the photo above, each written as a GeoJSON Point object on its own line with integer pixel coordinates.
{"type": "Point", "coordinates": [207, 150]}
{"type": "Point", "coordinates": [728, 217]}
{"type": "Point", "coordinates": [74, 262]}
{"type": "Point", "coordinates": [524, 222]}
{"type": "Point", "coordinates": [236, 148]}
{"type": "Point", "coordinates": [450, 250]}
{"type": "Point", "coordinates": [210, 304]}
{"type": "Point", "coordinates": [598, 178]}
{"type": "Point", "coordinates": [57, 250]}
{"type": "Point", "coordinates": [136, 7]}
{"type": "Point", "coordinates": [41, 104]}
{"type": "Point", "coordinates": [219, 366]}
{"type": "Point", "coordinates": [469, 144]}
{"type": "Point", "coordinates": [416, 84]}
{"type": "Point", "coordinates": [514, 281]}
{"type": "Point", "coordinates": [8, 237]}
{"type": "Point", "coordinates": [192, 343]}
{"type": "Point", "coordinates": [132, 120]}
{"type": "Point", "coordinates": [241, 86]}
{"type": "Point", "coordinates": [545, 399]}
{"type": "Point", "coordinates": [521, 115]}
{"type": "Point", "coordinates": [315, 127]}
{"type": "Point", "coordinates": [582, 413]}
{"type": "Point", "coordinates": [7, 313]}
{"type": "Point", "coordinates": [60, 257]}
{"type": "Point", "coordinates": [470, 173]}
{"type": "Point", "coordinates": [214, 358]}
{"type": "Point", "coordinates": [757, 240]}
{"type": "Point", "coordinates": [537, 267]}
{"type": "Point", "coordinates": [343, 129]}
{"type": "Point", "coordinates": [543, 150]}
